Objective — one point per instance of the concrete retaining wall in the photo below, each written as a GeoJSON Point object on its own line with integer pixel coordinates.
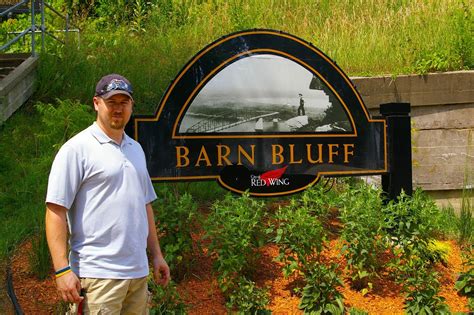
{"type": "Point", "coordinates": [443, 127]}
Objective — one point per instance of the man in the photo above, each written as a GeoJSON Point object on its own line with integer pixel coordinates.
{"type": "Point", "coordinates": [301, 108]}
{"type": "Point", "coordinates": [100, 183]}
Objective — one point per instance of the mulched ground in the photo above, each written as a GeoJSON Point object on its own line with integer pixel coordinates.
{"type": "Point", "coordinates": [200, 291]}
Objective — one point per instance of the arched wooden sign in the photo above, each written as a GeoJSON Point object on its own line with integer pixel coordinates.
{"type": "Point", "coordinates": [262, 111]}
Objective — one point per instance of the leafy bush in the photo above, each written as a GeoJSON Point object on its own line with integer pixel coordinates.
{"type": "Point", "coordinates": [299, 236]}
{"type": "Point", "coordinates": [235, 231]}
{"type": "Point", "coordinates": [204, 193]}
{"type": "Point", "coordinates": [447, 225]}
{"type": "Point", "coordinates": [355, 311]}
{"type": "Point", "coordinates": [318, 199]}
{"type": "Point", "coordinates": [320, 294]}
{"type": "Point", "coordinates": [176, 216]}
{"type": "Point", "coordinates": [410, 222]}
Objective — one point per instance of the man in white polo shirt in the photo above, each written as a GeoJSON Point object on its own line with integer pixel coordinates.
{"type": "Point", "coordinates": [100, 187]}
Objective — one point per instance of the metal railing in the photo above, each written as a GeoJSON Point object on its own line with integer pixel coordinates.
{"type": "Point", "coordinates": [33, 29]}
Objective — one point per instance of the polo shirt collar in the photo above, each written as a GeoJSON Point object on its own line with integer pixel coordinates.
{"type": "Point", "coordinates": [100, 135]}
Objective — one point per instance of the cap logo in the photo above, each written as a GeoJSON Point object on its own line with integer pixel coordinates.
{"type": "Point", "coordinates": [116, 84]}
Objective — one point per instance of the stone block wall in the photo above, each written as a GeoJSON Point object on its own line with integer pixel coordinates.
{"type": "Point", "coordinates": [442, 111]}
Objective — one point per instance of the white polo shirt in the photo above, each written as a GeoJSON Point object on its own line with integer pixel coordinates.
{"type": "Point", "coordinates": [106, 187]}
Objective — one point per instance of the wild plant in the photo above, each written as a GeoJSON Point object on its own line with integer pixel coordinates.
{"type": "Point", "coordinates": [447, 225]}
{"type": "Point", "coordinates": [318, 200]}
{"type": "Point", "coordinates": [355, 311]}
{"type": "Point", "coordinates": [235, 230]}
{"type": "Point", "coordinates": [466, 221]}
{"type": "Point", "coordinates": [363, 235]}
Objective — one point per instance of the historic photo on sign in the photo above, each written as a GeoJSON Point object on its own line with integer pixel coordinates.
{"type": "Point", "coordinates": [265, 93]}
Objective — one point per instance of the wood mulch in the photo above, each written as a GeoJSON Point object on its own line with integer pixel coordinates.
{"type": "Point", "coordinates": [200, 290]}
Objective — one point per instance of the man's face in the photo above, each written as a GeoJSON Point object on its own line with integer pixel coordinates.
{"type": "Point", "coordinates": [114, 112]}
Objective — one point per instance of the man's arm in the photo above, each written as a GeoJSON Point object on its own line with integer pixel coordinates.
{"type": "Point", "coordinates": [68, 285]}
{"type": "Point", "coordinates": [161, 271]}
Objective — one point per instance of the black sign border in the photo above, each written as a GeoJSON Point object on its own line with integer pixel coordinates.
{"type": "Point", "coordinates": [361, 109]}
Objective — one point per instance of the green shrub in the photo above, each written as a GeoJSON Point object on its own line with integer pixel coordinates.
{"type": "Point", "coordinates": [447, 225]}
{"type": "Point", "coordinates": [177, 216]}
{"type": "Point", "coordinates": [165, 300]}
{"type": "Point", "coordinates": [466, 221]}
{"type": "Point", "coordinates": [363, 235]}
{"type": "Point", "coordinates": [411, 221]}
{"type": "Point", "coordinates": [421, 288]}
{"type": "Point", "coordinates": [320, 295]}
{"type": "Point", "coordinates": [235, 230]}
{"type": "Point", "coordinates": [299, 236]}
{"type": "Point", "coordinates": [248, 298]}
{"type": "Point", "coordinates": [355, 311]}
{"type": "Point", "coordinates": [204, 193]}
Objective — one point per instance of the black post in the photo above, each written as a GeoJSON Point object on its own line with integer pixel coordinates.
{"type": "Point", "coordinates": [399, 174]}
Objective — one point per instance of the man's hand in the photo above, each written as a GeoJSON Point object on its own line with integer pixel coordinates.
{"type": "Point", "coordinates": [69, 288]}
{"type": "Point", "coordinates": [161, 271]}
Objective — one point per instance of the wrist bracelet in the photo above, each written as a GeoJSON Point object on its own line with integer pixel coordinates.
{"type": "Point", "coordinates": [62, 272]}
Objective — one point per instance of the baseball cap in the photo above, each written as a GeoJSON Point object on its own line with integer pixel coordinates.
{"type": "Point", "coordinates": [113, 84]}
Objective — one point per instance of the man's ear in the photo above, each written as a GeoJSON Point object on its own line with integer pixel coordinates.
{"type": "Point", "coordinates": [96, 101]}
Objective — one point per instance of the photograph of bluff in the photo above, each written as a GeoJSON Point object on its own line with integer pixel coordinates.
{"type": "Point", "coordinates": [265, 94]}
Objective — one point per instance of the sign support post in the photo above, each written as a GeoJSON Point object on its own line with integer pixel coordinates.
{"type": "Point", "coordinates": [399, 176]}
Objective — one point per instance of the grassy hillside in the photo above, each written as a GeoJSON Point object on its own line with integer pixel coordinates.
{"type": "Point", "coordinates": [150, 42]}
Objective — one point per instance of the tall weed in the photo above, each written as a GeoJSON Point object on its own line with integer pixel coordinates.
{"type": "Point", "coordinates": [39, 258]}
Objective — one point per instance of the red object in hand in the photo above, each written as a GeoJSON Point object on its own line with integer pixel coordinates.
{"type": "Point", "coordinates": [275, 174]}
{"type": "Point", "coordinates": [80, 306]}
